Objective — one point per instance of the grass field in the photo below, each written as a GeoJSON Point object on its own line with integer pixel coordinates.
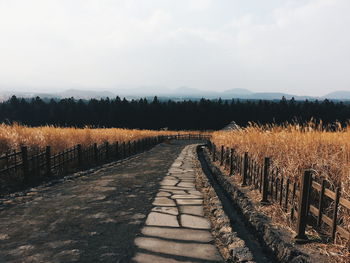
{"type": "Point", "coordinates": [14, 136]}
{"type": "Point", "coordinates": [293, 148]}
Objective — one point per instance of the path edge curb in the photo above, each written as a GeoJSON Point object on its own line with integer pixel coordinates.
{"type": "Point", "coordinates": [258, 222]}
{"type": "Point", "coordinates": [231, 247]}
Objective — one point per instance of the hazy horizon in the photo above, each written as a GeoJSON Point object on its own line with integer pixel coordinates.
{"type": "Point", "coordinates": [157, 91]}
{"type": "Point", "coordinates": [293, 46]}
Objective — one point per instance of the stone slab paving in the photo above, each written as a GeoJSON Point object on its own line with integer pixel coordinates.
{"type": "Point", "coordinates": [96, 217]}
{"type": "Point", "coordinates": [176, 229]}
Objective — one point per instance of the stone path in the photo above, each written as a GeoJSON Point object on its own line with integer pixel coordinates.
{"type": "Point", "coordinates": [176, 229]}
{"type": "Point", "coordinates": [92, 218]}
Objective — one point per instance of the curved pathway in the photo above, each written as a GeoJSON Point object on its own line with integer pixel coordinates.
{"type": "Point", "coordinates": [176, 229]}
{"type": "Point", "coordinates": [111, 215]}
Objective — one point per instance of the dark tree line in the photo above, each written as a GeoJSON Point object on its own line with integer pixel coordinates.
{"type": "Point", "coordinates": [202, 114]}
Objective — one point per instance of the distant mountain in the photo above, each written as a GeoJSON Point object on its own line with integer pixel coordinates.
{"type": "Point", "coordinates": [275, 96]}
{"type": "Point", "coordinates": [338, 95]}
{"type": "Point", "coordinates": [186, 90]}
{"type": "Point", "coordinates": [75, 93]}
{"type": "Point", "coordinates": [237, 92]}
{"type": "Point", "coordinates": [5, 95]}
{"type": "Point", "coordinates": [85, 94]}
{"type": "Point", "coordinates": [178, 94]}
{"type": "Point", "coordinates": [269, 95]}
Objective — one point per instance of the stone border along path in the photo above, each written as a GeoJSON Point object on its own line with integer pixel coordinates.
{"type": "Point", "coordinates": [176, 229]}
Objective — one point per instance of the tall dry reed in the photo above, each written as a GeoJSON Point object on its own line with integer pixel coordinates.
{"type": "Point", "coordinates": [293, 148]}
{"type": "Point", "coordinates": [14, 136]}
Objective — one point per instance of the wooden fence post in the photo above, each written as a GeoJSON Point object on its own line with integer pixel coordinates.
{"type": "Point", "coordinates": [25, 165]}
{"type": "Point", "coordinates": [60, 161]}
{"type": "Point", "coordinates": [116, 150]}
{"type": "Point", "coordinates": [124, 150]}
{"type": "Point", "coordinates": [80, 156]}
{"type": "Point", "coordinates": [95, 152]}
{"type": "Point", "coordinates": [245, 169]}
{"type": "Point", "coordinates": [335, 213]}
{"type": "Point", "coordinates": [107, 150]}
{"type": "Point", "coordinates": [227, 157]}
{"type": "Point", "coordinates": [281, 191]}
{"type": "Point", "coordinates": [7, 160]}
{"type": "Point", "coordinates": [303, 207]}
{"type": "Point", "coordinates": [250, 171]}
{"type": "Point", "coordinates": [320, 203]}
{"type": "Point", "coordinates": [292, 201]}
{"type": "Point", "coordinates": [143, 145]}
{"type": "Point", "coordinates": [214, 153]}
{"type": "Point", "coordinates": [265, 181]}
{"type": "Point", "coordinates": [261, 177]}
{"type": "Point", "coordinates": [286, 196]}
{"type": "Point", "coordinates": [231, 161]}
{"type": "Point", "coordinates": [222, 155]}
{"type": "Point", "coordinates": [210, 146]}
{"type": "Point", "coordinates": [48, 160]}
{"type": "Point", "coordinates": [65, 157]}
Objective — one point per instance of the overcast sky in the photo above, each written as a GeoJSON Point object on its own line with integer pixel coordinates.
{"type": "Point", "coordinates": [297, 46]}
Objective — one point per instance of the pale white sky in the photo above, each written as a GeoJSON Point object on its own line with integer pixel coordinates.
{"type": "Point", "coordinates": [292, 46]}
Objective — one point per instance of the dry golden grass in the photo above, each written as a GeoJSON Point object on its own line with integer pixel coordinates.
{"type": "Point", "coordinates": [293, 148]}
{"type": "Point", "coordinates": [14, 136]}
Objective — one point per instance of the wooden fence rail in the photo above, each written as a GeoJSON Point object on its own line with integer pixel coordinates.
{"type": "Point", "coordinates": [27, 165]}
{"type": "Point", "coordinates": [308, 202]}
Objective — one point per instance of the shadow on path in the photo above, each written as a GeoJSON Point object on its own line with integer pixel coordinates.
{"type": "Point", "coordinates": [93, 218]}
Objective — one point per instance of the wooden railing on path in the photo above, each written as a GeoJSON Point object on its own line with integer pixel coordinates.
{"type": "Point", "coordinates": [308, 202]}
{"type": "Point", "coordinates": [26, 166]}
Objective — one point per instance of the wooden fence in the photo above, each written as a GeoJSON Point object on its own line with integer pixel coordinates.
{"type": "Point", "coordinates": [26, 166]}
{"type": "Point", "coordinates": [307, 202]}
